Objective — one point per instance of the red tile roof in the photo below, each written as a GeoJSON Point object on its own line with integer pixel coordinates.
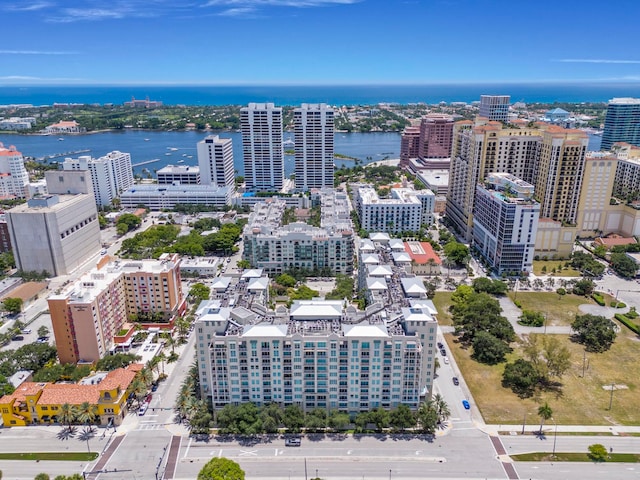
{"type": "Point", "coordinates": [421, 252]}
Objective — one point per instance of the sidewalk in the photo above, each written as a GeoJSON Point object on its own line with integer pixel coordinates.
{"type": "Point", "coordinates": [550, 429]}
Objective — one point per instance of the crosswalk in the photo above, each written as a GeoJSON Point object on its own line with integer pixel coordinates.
{"type": "Point", "coordinates": [150, 426]}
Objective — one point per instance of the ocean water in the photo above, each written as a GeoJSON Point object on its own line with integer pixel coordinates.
{"type": "Point", "coordinates": [332, 94]}
{"type": "Point", "coordinates": [145, 146]}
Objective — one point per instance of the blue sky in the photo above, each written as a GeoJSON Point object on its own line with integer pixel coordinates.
{"type": "Point", "coordinates": [302, 42]}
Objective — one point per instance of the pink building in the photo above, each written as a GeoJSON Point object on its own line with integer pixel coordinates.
{"type": "Point", "coordinates": [409, 144]}
{"type": "Point", "coordinates": [436, 136]}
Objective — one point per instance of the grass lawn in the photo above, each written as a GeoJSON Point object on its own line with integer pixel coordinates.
{"type": "Point", "coordinates": [574, 457]}
{"type": "Point", "coordinates": [582, 401]}
{"type": "Point", "coordinates": [65, 456]}
{"type": "Point", "coordinates": [442, 300]}
{"type": "Point", "coordinates": [551, 264]}
{"type": "Point", "coordinates": [560, 310]}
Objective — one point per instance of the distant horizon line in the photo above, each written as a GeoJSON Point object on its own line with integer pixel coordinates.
{"type": "Point", "coordinates": [306, 85]}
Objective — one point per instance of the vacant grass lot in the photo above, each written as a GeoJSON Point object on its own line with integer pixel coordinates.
{"type": "Point", "coordinates": [442, 300]}
{"type": "Point", "coordinates": [551, 264]}
{"type": "Point", "coordinates": [560, 310]}
{"type": "Point", "coordinates": [581, 401]}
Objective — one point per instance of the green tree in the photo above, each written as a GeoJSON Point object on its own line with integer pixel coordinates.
{"type": "Point", "coordinates": [87, 413]}
{"type": "Point", "coordinates": [6, 388]}
{"type": "Point", "coordinates": [583, 287]}
{"type": "Point", "coordinates": [595, 332]}
{"type": "Point", "coordinates": [545, 413]}
{"type": "Point", "coordinates": [316, 420]}
{"type": "Point", "coordinates": [127, 222]}
{"type": "Point", "coordinates": [494, 287]}
{"type": "Point", "coordinates": [286, 280]}
{"type": "Point", "coordinates": [380, 418]}
{"type": "Point", "coordinates": [244, 264]}
{"type": "Point", "coordinates": [41, 476]}
{"type": "Point", "coordinates": [521, 377]}
{"type": "Point", "coordinates": [271, 416]}
{"type": "Point", "coordinates": [293, 418]}
{"type": "Point", "coordinates": [113, 362]}
{"type": "Point", "coordinates": [456, 252]}
{"type": "Point", "coordinates": [531, 318]}
{"type": "Point", "coordinates": [221, 469]}
{"type": "Point", "coordinates": [598, 452]}
{"type": "Point", "coordinates": [624, 265]}
{"type": "Point", "coordinates": [12, 305]}
{"type": "Point", "coordinates": [43, 331]}
{"type": "Point", "coordinates": [402, 418]}
{"type": "Point", "coordinates": [427, 417]}
{"type": "Point", "coordinates": [489, 349]}
{"type": "Point", "coordinates": [479, 312]}
{"type": "Point", "coordinates": [199, 292]}
{"type": "Point", "coordinates": [442, 409]}
{"type": "Point", "coordinates": [68, 414]}
{"type": "Point", "coordinates": [338, 421]}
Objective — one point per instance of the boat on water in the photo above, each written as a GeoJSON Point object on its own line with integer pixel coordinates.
{"type": "Point", "coordinates": [173, 149]}
{"type": "Point", "coordinates": [146, 139]}
{"type": "Point", "coordinates": [180, 161]}
{"type": "Point", "coordinates": [168, 153]}
{"type": "Point", "coordinates": [61, 139]}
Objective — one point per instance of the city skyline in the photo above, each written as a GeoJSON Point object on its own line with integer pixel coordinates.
{"type": "Point", "coordinates": [291, 42]}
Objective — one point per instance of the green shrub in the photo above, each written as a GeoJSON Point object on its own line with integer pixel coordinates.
{"type": "Point", "coordinates": [615, 304]}
{"type": "Point", "coordinates": [517, 303]}
{"type": "Point", "coordinates": [597, 452]}
{"type": "Point", "coordinates": [599, 299]}
{"type": "Point", "coordinates": [632, 313]}
{"type": "Point", "coordinates": [627, 323]}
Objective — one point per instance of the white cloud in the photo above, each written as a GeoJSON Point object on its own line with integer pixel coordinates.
{"type": "Point", "coordinates": [278, 3]}
{"type": "Point", "coordinates": [597, 60]}
{"type": "Point", "coordinates": [28, 78]}
{"type": "Point", "coordinates": [237, 12]}
{"type": "Point", "coordinates": [28, 7]}
{"type": "Point", "coordinates": [34, 52]}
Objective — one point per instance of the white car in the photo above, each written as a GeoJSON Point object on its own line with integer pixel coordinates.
{"type": "Point", "coordinates": [446, 360]}
{"type": "Point", "coordinates": [143, 409]}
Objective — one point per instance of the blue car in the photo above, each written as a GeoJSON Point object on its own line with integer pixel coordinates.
{"type": "Point", "coordinates": [466, 405]}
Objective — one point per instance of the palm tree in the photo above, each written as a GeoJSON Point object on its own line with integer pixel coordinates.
{"type": "Point", "coordinates": [442, 408]}
{"type": "Point", "coordinates": [68, 414]}
{"type": "Point", "coordinates": [545, 413]}
{"type": "Point", "coordinates": [87, 412]}
{"type": "Point", "coordinates": [139, 389]}
{"type": "Point", "coordinates": [146, 376]}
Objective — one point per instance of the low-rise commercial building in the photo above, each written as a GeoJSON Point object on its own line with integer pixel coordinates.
{"type": "Point", "coordinates": [179, 174]}
{"type": "Point", "coordinates": [161, 197]}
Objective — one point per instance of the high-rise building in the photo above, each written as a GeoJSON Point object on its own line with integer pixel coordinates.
{"type": "Point", "coordinates": [600, 180]}
{"type": "Point", "coordinates": [409, 144]}
{"type": "Point", "coordinates": [549, 157]}
{"type": "Point", "coordinates": [505, 223]}
{"type": "Point", "coordinates": [622, 122]}
{"type": "Point", "coordinates": [56, 233]}
{"type": "Point", "coordinates": [110, 174]}
{"type": "Point", "coordinates": [436, 136]}
{"type": "Point", "coordinates": [87, 316]}
{"type": "Point", "coordinates": [495, 107]}
{"type": "Point", "coordinates": [313, 138]}
{"type": "Point", "coordinates": [262, 149]}
{"type": "Point", "coordinates": [178, 174]}
{"type": "Point", "coordinates": [215, 158]}
{"type": "Point", "coordinates": [13, 175]}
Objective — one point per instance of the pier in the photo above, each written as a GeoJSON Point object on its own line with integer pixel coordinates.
{"type": "Point", "coordinates": [146, 162]}
{"type": "Point", "coordinates": [64, 154]}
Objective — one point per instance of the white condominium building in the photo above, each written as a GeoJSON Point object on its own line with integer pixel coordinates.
{"type": "Point", "coordinates": [215, 159]}
{"type": "Point", "coordinates": [317, 355]}
{"type": "Point", "coordinates": [13, 175]}
{"type": "Point", "coordinates": [505, 223]}
{"type": "Point", "coordinates": [276, 248]}
{"type": "Point", "coordinates": [313, 134]}
{"type": "Point", "coordinates": [405, 210]}
{"type": "Point", "coordinates": [262, 149]}
{"type": "Point", "coordinates": [111, 174]}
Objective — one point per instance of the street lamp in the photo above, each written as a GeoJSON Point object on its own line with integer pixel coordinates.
{"type": "Point", "coordinates": [555, 437]}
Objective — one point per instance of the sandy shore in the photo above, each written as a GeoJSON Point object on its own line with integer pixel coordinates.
{"type": "Point", "coordinates": [393, 162]}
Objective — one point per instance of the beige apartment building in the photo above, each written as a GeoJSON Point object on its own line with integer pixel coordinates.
{"type": "Point", "coordinates": [91, 312]}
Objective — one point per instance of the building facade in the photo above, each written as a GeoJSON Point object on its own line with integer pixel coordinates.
{"type": "Point", "coordinates": [313, 138]}
{"type": "Point", "coordinates": [262, 148]}
{"type": "Point", "coordinates": [495, 107]}
{"type": "Point", "coordinates": [13, 175]}
{"type": "Point", "coordinates": [622, 122]}
{"type": "Point", "coordinates": [505, 223]}
{"type": "Point", "coordinates": [409, 144]}
{"type": "Point", "coordinates": [215, 159]}
{"type": "Point", "coordinates": [436, 136]}
{"type": "Point", "coordinates": [405, 210]}
{"type": "Point", "coordinates": [56, 233]}
{"type": "Point", "coordinates": [277, 248]}
{"type": "Point", "coordinates": [110, 174]}
{"type": "Point", "coordinates": [41, 403]}
{"type": "Point", "coordinates": [166, 197]}
{"type": "Point", "coordinates": [87, 316]}
{"type": "Point", "coordinates": [179, 174]}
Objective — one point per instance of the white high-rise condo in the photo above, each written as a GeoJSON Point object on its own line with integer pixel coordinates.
{"type": "Point", "coordinates": [13, 175]}
{"type": "Point", "coordinates": [215, 158]}
{"type": "Point", "coordinates": [262, 150]}
{"type": "Point", "coordinates": [313, 127]}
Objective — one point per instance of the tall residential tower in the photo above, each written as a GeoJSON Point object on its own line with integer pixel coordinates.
{"type": "Point", "coordinates": [313, 133]}
{"type": "Point", "coordinates": [622, 123]}
{"type": "Point", "coordinates": [261, 125]}
{"type": "Point", "coordinates": [215, 159]}
{"type": "Point", "coordinates": [495, 107]}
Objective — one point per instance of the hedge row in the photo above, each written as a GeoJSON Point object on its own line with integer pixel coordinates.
{"type": "Point", "coordinates": [599, 299]}
{"type": "Point", "coordinates": [628, 323]}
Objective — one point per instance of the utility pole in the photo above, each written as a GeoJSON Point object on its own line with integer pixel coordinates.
{"type": "Point", "coordinates": [584, 361]}
{"type": "Point", "coordinates": [611, 398]}
{"type": "Point", "coordinates": [524, 421]}
{"type": "Point", "coordinates": [555, 437]}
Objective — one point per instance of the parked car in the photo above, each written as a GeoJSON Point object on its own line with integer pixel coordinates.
{"type": "Point", "coordinates": [443, 352]}
{"type": "Point", "coordinates": [446, 360]}
{"type": "Point", "coordinates": [440, 345]}
{"type": "Point", "coordinates": [42, 340]}
{"type": "Point", "coordinates": [17, 338]}
{"type": "Point", "coordinates": [466, 405]}
{"type": "Point", "coordinates": [292, 442]}
{"type": "Point", "coordinates": [456, 382]}
{"type": "Point", "coordinates": [143, 409]}
{"type": "Point", "coordinates": [26, 330]}
{"type": "Point", "coordinates": [154, 387]}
